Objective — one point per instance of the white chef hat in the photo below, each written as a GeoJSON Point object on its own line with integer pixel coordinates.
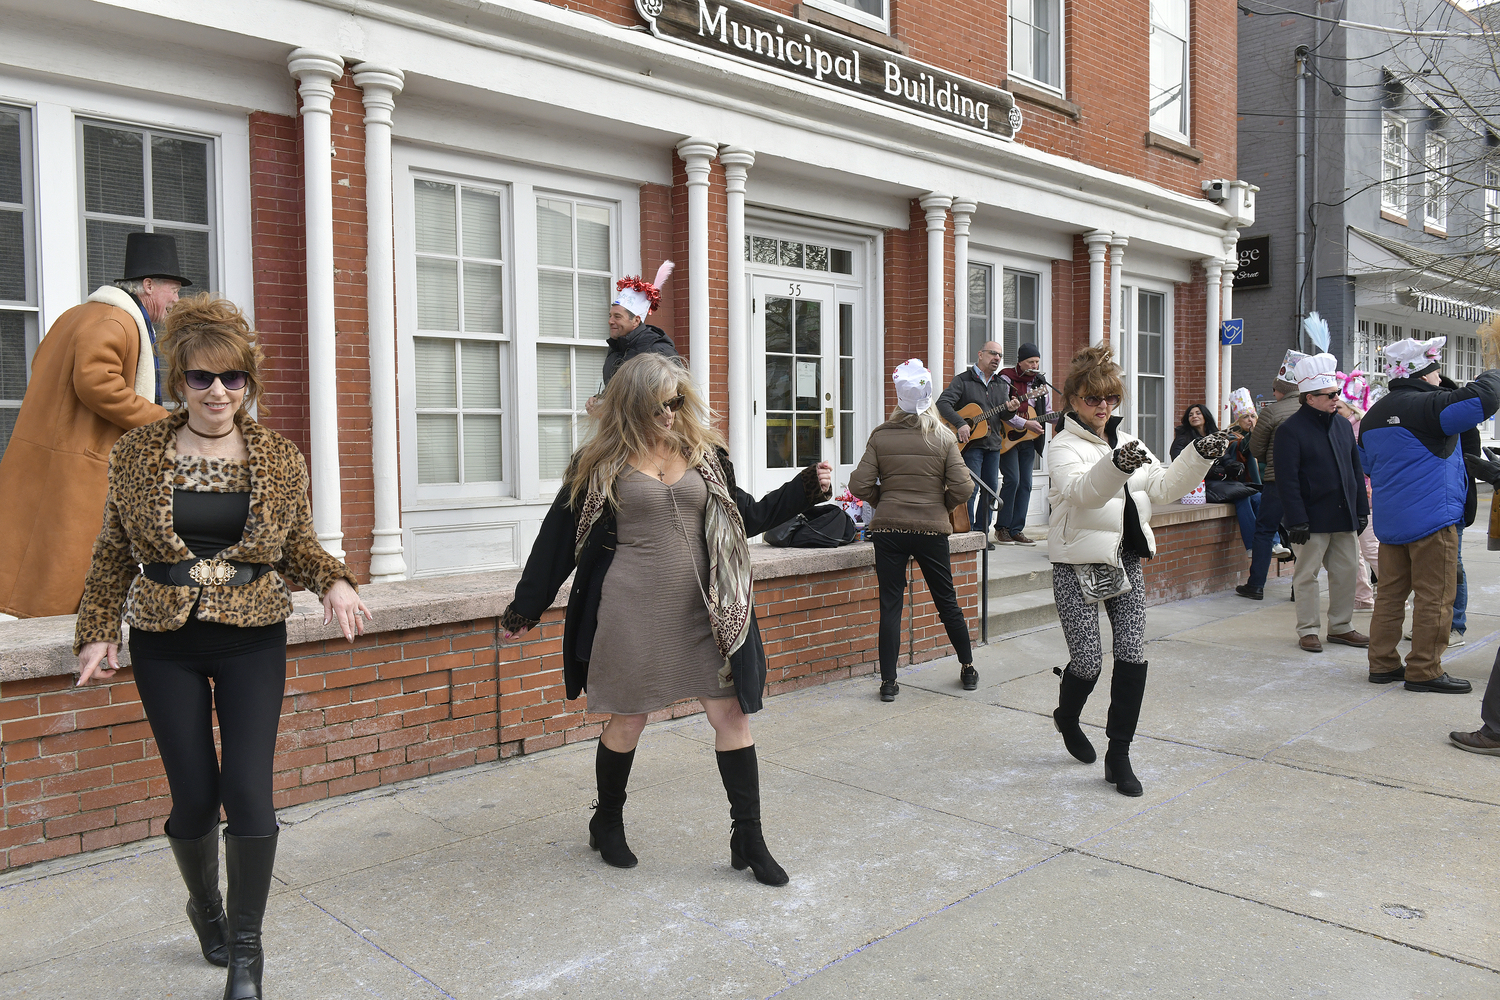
{"type": "Point", "coordinates": [1240, 403]}
{"type": "Point", "coordinates": [1413, 358]}
{"type": "Point", "coordinates": [1287, 364]}
{"type": "Point", "coordinates": [913, 386]}
{"type": "Point", "coordinates": [1316, 373]}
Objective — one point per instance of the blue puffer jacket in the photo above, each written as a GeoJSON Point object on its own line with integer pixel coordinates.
{"type": "Point", "coordinates": [1409, 448]}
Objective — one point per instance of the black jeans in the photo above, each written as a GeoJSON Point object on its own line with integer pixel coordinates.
{"type": "Point", "coordinates": [180, 704]}
{"type": "Point", "coordinates": [892, 549]}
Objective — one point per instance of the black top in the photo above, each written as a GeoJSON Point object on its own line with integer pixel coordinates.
{"type": "Point", "coordinates": [644, 339]}
{"type": "Point", "coordinates": [1318, 472]}
{"type": "Point", "coordinates": [207, 523]}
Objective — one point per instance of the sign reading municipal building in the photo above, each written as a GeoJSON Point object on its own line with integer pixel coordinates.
{"type": "Point", "coordinates": [754, 35]}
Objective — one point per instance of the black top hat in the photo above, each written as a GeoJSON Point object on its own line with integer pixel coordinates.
{"type": "Point", "coordinates": [152, 255]}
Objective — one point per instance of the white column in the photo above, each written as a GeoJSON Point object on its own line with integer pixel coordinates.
{"type": "Point", "coordinates": [737, 163]}
{"type": "Point", "coordinates": [381, 84]}
{"type": "Point", "coordinates": [1098, 244]}
{"type": "Point", "coordinates": [315, 72]}
{"type": "Point", "coordinates": [1226, 311]}
{"type": "Point", "coordinates": [936, 207]}
{"type": "Point", "coordinates": [696, 155]}
{"type": "Point", "coordinates": [1117, 245]}
{"type": "Point", "coordinates": [963, 213]}
{"type": "Point", "coordinates": [1214, 266]}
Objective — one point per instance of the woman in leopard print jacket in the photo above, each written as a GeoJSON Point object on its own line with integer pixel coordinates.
{"type": "Point", "coordinates": [206, 520]}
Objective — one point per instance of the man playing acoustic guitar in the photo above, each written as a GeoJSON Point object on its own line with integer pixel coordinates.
{"type": "Point", "coordinates": [979, 389]}
{"type": "Point", "coordinates": [1017, 461]}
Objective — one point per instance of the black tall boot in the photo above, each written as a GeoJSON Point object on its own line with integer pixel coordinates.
{"type": "Point", "coordinates": [198, 861]}
{"type": "Point", "coordinates": [248, 862]}
{"type": "Point", "coordinates": [607, 828]}
{"type": "Point", "coordinates": [741, 773]}
{"type": "Point", "coordinates": [1126, 689]}
{"type": "Point", "coordinates": [1071, 697]}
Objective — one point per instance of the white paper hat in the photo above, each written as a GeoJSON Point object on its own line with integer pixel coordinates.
{"type": "Point", "coordinates": [641, 297]}
{"type": "Point", "coordinates": [1410, 358]}
{"type": "Point", "coordinates": [1316, 373]}
{"type": "Point", "coordinates": [1240, 403]}
{"type": "Point", "coordinates": [1287, 364]}
{"type": "Point", "coordinates": [913, 386]}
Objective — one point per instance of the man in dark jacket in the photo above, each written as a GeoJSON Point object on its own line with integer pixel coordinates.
{"type": "Point", "coordinates": [1262, 449]}
{"type": "Point", "coordinates": [1323, 502]}
{"type": "Point", "coordinates": [980, 384]}
{"type": "Point", "coordinates": [1410, 444]}
{"type": "Point", "coordinates": [1016, 465]}
{"type": "Point", "coordinates": [629, 333]}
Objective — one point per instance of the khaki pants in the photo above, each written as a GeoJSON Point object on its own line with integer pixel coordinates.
{"type": "Point", "coordinates": [1339, 552]}
{"type": "Point", "coordinates": [1427, 568]}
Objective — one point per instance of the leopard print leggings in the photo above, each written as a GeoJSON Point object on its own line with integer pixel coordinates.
{"type": "Point", "coordinates": [1080, 621]}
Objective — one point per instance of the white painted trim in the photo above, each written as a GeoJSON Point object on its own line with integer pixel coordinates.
{"type": "Point", "coordinates": [854, 14]}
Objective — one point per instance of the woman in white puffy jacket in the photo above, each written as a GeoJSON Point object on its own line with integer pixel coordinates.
{"type": "Point", "coordinates": [1102, 483]}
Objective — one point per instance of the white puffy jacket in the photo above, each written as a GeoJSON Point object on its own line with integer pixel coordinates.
{"type": "Point", "coordinates": [1086, 495]}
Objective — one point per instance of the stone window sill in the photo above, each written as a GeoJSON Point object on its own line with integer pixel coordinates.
{"type": "Point", "coordinates": [1431, 230]}
{"type": "Point", "coordinates": [1390, 216]}
{"type": "Point", "coordinates": [1155, 140]}
{"type": "Point", "coordinates": [1044, 98]}
{"type": "Point", "coordinates": [865, 33]}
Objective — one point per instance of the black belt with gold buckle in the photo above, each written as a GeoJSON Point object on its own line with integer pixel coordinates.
{"type": "Point", "coordinates": [204, 573]}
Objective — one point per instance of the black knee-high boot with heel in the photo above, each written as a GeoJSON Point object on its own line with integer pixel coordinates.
{"type": "Point", "coordinates": [198, 861]}
{"type": "Point", "coordinates": [247, 862]}
{"type": "Point", "coordinates": [1127, 688]}
{"type": "Point", "coordinates": [740, 770]}
{"type": "Point", "coordinates": [607, 828]}
{"type": "Point", "coordinates": [1072, 695]}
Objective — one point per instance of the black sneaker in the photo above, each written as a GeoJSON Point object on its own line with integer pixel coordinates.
{"type": "Point", "coordinates": [968, 676]}
{"type": "Point", "coordinates": [889, 690]}
{"type": "Point", "coordinates": [1254, 593]}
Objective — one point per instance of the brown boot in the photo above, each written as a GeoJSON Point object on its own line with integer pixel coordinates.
{"type": "Point", "coordinates": [1311, 643]}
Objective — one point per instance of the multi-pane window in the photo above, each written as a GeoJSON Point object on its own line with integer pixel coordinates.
{"type": "Point", "coordinates": [794, 253]}
{"type": "Point", "coordinates": [1393, 163]}
{"type": "Point", "coordinates": [1036, 40]}
{"type": "Point", "coordinates": [981, 307]}
{"type": "Point", "coordinates": [1461, 358]}
{"type": "Point", "coordinates": [1022, 304]}
{"type": "Point", "coordinates": [137, 179]}
{"type": "Point", "coordinates": [846, 383]}
{"type": "Point", "coordinates": [1151, 370]}
{"type": "Point", "coordinates": [17, 265]}
{"type": "Point", "coordinates": [575, 264]}
{"type": "Point", "coordinates": [794, 381]}
{"type": "Point", "coordinates": [871, 12]}
{"type": "Point", "coordinates": [462, 354]}
{"type": "Point", "coordinates": [1492, 204]}
{"type": "Point", "coordinates": [1169, 66]}
{"type": "Point", "coordinates": [1436, 181]}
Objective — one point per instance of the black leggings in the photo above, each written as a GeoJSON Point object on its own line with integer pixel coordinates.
{"type": "Point", "coordinates": [246, 694]}
{"type": "Point", "coordinates": [892, 549]}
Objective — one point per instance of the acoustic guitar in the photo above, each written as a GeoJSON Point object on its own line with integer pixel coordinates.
{"type": "Point", "coordinates": [1014, 436]}
{"type": "Point", "coordinates": [978, 418]}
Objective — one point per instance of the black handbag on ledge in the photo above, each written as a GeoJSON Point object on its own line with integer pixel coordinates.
{"type": "Point", "coordinates": [823, 527]}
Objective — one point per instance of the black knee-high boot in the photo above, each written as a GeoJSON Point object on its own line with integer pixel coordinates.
{"type": "Point", "coordinates": [1126, 689]}
{"type": "Point", "coordinates": [741, 773]}
{"type": "Point", "coordinates": [248, 862]}
{"type": "Point", "coordinates": [1072, 695]}
{"type": "Point", "coordinates": [198, 861]}
{"type": "Point", "coordinates": [607, 828]}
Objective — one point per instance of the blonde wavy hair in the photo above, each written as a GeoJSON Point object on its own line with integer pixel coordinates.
{"type": "Point", "coordinates": [213, 333]}
{"type": "Point", "coordinates": [927, 422]}
{"type": "Point", "coordinates": [626, 423]}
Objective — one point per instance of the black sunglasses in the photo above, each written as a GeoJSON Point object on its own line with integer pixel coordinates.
{"type": "Point", "coordinates": [674, 404]}
{"type": "Point", "coordinates": [197, 378]}
{"type": "Point", "coordinates": [1330, 394]}
{"type": "Point", "coordinates": [1096, 400]}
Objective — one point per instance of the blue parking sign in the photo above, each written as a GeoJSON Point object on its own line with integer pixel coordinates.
{"type": "Point", "coordinates": [1232, 333]}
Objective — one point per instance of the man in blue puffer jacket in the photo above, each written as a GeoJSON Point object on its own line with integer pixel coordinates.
{"type": "Point", "coordinates": [1409, 445]}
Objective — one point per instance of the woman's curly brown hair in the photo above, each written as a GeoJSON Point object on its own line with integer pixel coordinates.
{"type": "Point", "coordinates": [203, 331]}
{"type": "Point", "coordinates": [1093, 372]}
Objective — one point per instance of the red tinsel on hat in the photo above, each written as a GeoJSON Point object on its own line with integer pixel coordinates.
{"type": "Point", "coordinates": [652, 293]}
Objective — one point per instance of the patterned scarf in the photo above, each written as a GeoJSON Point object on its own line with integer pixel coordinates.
{"type": "Point", "coordinates": [729, 581]}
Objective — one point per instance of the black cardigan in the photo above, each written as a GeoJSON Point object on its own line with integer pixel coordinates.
{"type": "Point", "coordinates": [552, 560]}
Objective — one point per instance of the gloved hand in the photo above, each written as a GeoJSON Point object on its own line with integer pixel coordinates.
{"type": "Point", "coordinates": [1131, 456]}
{"type": "Point", "coordinates": [1299, 534]}
{"type": "Point", "coordinates": [1482, 469]}
{"type": "Point", "coordinates": [1214, 445]}
{"type": "Point", "coordinates": [1361, 525]}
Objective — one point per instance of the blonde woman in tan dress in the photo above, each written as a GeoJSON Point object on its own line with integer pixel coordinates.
{"type": "Point", "coordinates": [650, 518]}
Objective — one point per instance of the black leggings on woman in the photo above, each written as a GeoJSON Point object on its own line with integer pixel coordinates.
{"type": "Point", "coordinates": [180, 703]}
{"type": "Point", "coordinates": [892, 549]}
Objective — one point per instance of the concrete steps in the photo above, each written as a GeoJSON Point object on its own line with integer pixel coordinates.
{"type": "Point", "coordinates": [1020, 589]}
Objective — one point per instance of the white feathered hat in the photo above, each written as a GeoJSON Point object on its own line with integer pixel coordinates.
{"type": "Point", "coordinates": [1316, 373]}
{"type": "Point", "coordinates": [642, 297]}
{"type": "Point", "coordinates": [1413, 358]}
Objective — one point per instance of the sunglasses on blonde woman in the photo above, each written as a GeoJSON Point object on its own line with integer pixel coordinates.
{"type": "Point", "coordinates": [197, 378]}
{"type": "Point", "coordinates": [1096, 400]}
{"type": "Point", "coordinates": [674, 404]}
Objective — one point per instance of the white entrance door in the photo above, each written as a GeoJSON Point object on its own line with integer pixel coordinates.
{"type": "Point", "coordinates": [796, 371]}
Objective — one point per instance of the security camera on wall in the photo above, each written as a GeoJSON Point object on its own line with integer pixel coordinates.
{"type": "Point", "coordinates": [1238, 197]}
{"type": "Point", "coordinates": [1216, 191]}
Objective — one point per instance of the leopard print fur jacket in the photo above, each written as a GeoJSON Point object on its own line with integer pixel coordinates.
{"type": "Point", "coordinates": [138, 529]}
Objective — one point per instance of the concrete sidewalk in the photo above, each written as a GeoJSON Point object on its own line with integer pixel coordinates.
{"type": "Point", "coordinates": [1303, 833]}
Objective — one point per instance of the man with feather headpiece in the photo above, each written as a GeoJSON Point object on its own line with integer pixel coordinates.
{"type": "Point", "coordinates": [629, 333]}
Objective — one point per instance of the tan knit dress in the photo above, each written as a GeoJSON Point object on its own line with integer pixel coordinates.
{"type": "Point", "coordinates": [654, 644]}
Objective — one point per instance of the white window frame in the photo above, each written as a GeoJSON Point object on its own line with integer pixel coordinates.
{"type": "Point", "coordinates": [1018, 26]}
{"type": "Point", "coordinates": [848, 12]}
{"type": "Point", "coordinates": [1435, 208]}
{"type": "Point", "coordinates": [1492, 205]}
{"type": "Point", "coordinates": [524, 184]}
{"type": "Point", "coordinates": [1184, 121]}
{"type": "Point", "coordinates": [1393, 161]}
{"type": "Point", "coordinates": [26, 306]}
{"type": "Point", "coordinates": [1131, 286]}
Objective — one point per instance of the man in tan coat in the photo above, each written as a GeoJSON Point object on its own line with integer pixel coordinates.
{"type": "Point", "coordinates": [93, 378]}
